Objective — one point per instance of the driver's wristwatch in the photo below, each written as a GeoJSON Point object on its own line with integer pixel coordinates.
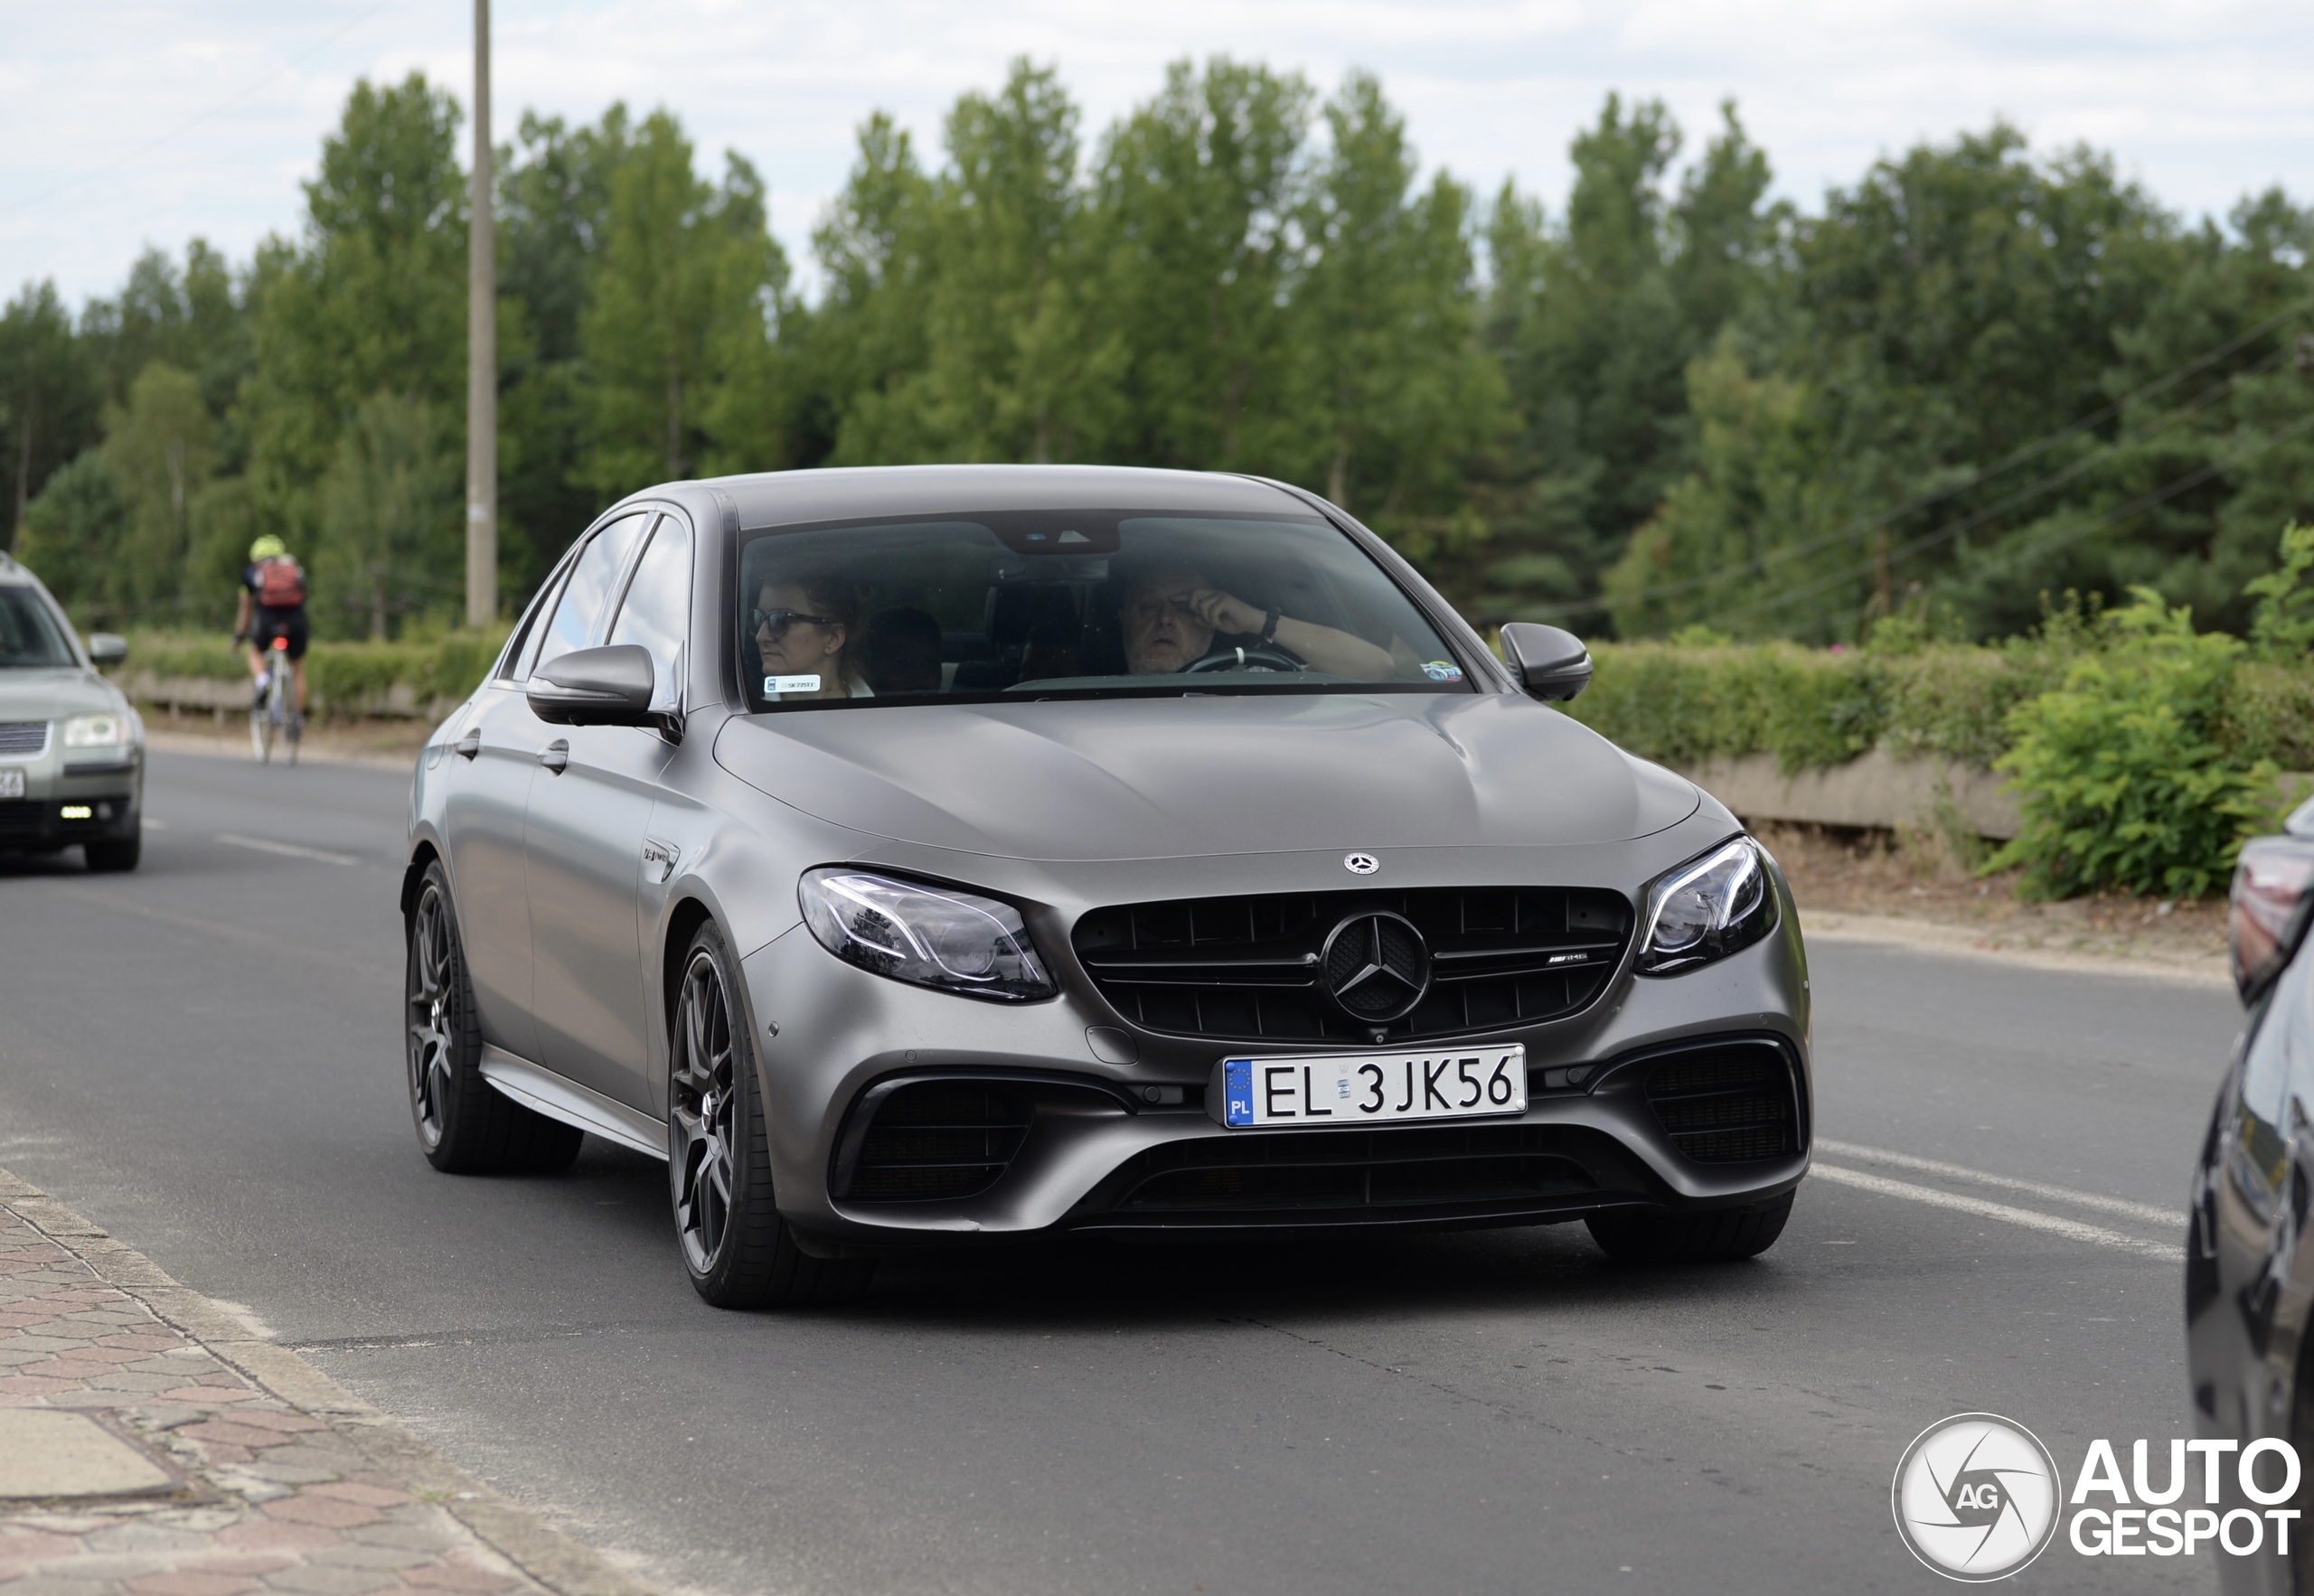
{"type": "Point", "coordinates": [1269, 624]}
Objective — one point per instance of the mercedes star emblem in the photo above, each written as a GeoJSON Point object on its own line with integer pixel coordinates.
{"type": "Point", "coordinates": [1360, 864]}
{"type": "Point", "coordinates": [1376, 966]}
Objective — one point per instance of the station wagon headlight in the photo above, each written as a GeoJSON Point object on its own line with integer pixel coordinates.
{"type": "Point", "coordinates": [1708, 909]}
{"type": "Point", "coordinates": [935, 936]}
{"type": "Point", "coordinates": [97, 731]}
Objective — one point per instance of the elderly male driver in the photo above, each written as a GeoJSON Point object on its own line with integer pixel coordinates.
{"type": "Point", "coordinates": [1173, 617]}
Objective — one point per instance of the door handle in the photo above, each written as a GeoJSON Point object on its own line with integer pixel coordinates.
{"type": "Point", "coordinates": [468, 745]}
{"type": "Point", "coordinates": [661, 854]}
{"type": "Point", "coordinates": [555, 756]}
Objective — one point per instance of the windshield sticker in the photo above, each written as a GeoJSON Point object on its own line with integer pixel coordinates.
{"type": "Point", "coordinates": [1442, 670]}
{"type": "Point", "coordinates": [780, 684]}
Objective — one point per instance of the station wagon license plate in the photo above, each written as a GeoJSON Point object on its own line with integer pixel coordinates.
{"type": "Point", "coordinates": [12, 783]}
{"type": "Point", "coordinates": [1374, 1088]}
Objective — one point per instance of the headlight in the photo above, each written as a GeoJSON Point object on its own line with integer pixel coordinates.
{"type": "Point", "coordinates": [1708, 909]}
{"type": "Point", "coordinates": [934, 936]}
{"type": "Point", "coordinates": [97, 731]}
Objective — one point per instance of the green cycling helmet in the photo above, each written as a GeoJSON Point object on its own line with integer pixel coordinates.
{"type": "Point", "coordinates": [268, 547]}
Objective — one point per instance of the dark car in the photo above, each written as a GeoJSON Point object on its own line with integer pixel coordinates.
{"type": "Point", "coordinates": [919, 855]}
{"type": "Point", "coordinates": [2248, 1278]}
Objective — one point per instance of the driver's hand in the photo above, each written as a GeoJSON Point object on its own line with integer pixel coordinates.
{"type": "Point", "coordinates": [1226, 614]}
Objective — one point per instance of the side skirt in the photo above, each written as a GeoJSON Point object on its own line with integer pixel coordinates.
{"type": "Point", "coordinates": [537, 1087]}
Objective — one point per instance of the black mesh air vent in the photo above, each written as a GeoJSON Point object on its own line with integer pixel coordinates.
{"type": "Point", "coordinates": [1727, 1104]}
{"type": "Point", "coordinates": [1284, 1177]}
{"type": "Point", "coordinates": [23, 817]}
{"type": "Point", "coordinates": [933, 1140]}
{"type": "Point", "coordinates": [1247, 969]}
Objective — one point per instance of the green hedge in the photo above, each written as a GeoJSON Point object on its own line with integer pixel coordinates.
{"type": "Point", "coordinates": [1682, 703]}
{"type": "Point", "coordinates": [339, 676]}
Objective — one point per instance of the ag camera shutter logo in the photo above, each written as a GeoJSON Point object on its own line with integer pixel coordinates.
{"type": "Point", "coordinates": [1976, 1497]}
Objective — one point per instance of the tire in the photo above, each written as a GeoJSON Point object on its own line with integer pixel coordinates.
{"type": "Point", "coordinates": [737, 1249]}
{"type": "Point", "coordinates": [117, 854]}
{"type": "Point", "coordinates": [464, 1126]}
{"type": "Point", "coordinates": [1723, 1236]}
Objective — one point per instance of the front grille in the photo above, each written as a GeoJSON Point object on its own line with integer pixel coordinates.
{"type": "Point", "coordinates": [23, 817]}
{"type": "Point", "coordinates": [22, 736]}
{"type": "Point", "coordinates": [936, 1140]}
{"type": "Point", "coordinates": [1249, 968]}
{"type": "Point", "coordinates": [1727, 1103]}
{"type": "Point", "coordinates": [1342, 1173]}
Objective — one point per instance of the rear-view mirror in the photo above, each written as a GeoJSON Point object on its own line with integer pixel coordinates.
{"type": "Point", "coordinates": [595, 687]}
{"type": "Point", "coordinates": [107, 648]}
{"type": "Point", "coordinates": [1549, 662]}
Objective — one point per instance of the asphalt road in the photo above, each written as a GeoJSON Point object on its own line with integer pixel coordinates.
{"type": "Point", "coordinates": [204, 1057]}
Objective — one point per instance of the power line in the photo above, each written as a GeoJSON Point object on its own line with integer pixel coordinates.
{"type": "Point", "coordinates": [1969, 522]}
{"type": "Point", "coordinates": [197, 118]}
{"type": "Point", "coordinates": [1759, 564]}
{"type": "Point", "coordinates": [2135, 507]}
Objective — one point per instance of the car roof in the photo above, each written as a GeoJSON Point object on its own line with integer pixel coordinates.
{"type": "Point", "coordinates": [788, 498]}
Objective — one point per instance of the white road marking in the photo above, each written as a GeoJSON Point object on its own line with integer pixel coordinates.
{"type": "Point", "coordinates": [2144, 1212]}
{"type": "Point", "coordinates": [2031, 1219]}
{"type": "Point", "coordinates": [287, 849]}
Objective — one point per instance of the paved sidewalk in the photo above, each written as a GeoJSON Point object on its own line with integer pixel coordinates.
{"type": "Point", "coordinates": [151, 1444]}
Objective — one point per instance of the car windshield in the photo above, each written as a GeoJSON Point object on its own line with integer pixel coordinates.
{"type": "Point", "coordinates": [1075, 604]}
{"type": "Point", "coordinates": [29, 637]}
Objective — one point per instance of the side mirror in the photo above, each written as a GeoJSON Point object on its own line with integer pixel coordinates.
{"type": "Point", "coordinates": [1549, 663]}
{"type": "Point", "coordinates": [595, 687]}
{"type": "Point", "coordinates": [107, 648]}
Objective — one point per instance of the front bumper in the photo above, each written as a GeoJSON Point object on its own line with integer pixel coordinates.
{"type": "Point", "coordinates": [95, 795]}
{"type": "Point", "coordinates": [1093, 1144]}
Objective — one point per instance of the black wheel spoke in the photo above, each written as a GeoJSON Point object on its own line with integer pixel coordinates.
{"type": "Point", "coordinates": [701, 1114]}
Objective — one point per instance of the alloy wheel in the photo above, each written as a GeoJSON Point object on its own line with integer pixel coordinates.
{"type": "Point", "coordinates": [432, 1016]}
{"type": "Point", "coordinates": [703, 1122]}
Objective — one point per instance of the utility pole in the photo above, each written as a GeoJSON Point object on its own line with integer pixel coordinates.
{"type": "Point", "coordinates": [482, 351]}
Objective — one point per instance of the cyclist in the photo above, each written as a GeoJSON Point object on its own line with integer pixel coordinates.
{"type": "Point", "coordinates": [272, 605]}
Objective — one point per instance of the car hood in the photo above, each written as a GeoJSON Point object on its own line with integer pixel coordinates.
{"type": "Point", "coordinates": [49, 695]}
{"type": "Point", "coordinates": [1156, 778]}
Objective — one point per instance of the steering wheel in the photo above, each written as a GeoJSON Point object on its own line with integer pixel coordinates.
{"type": "Point", "coordinates": [1261, 656]}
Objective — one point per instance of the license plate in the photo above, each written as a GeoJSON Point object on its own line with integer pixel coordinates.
{"type": "Point", "coordinates": [1374, 1088]}
{"type": "Point", "coordinates": [12, 783]}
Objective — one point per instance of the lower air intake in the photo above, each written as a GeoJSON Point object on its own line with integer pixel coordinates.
{"type": "Point", "coordinates": [1332, 1176]}
{"type": "Point", "coordinates": [937, 1140]}
{"type": "Point", "coordinates": [1728, 1103]}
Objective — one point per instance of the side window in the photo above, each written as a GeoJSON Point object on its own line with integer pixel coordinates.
{"type": "Point", "coordinates": [656, 612]}
{"type": "Point", "coordinates": [532, 629]}
{"type": "Point", "coordinates": [588, 589]}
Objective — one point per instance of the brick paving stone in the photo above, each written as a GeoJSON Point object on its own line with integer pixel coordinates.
{"type": "Point", "coordinates": [306, 1509]}
{"type": "Point", "coordinates": [321, 1579]}
{"type": "Point", "coordinates": [192, 1582]}
{"type": "Point", "coordinates": [232, 1433]}
{"type": "Point", "coordinates": [144, 1538]}
{"type": "Point", "coordinates": [353, 1554]}
{"type": "Point", "coordinates": [265, 1534]}
{"type": "Point", "coordinates": [368, 1495]}
{"type": "Point", "coordinates": [287, 1423]}
{"type": "Point", "coordinates": [55, 1585]}
{"type": "Point", "coordinates": [207, 1394]}
{"type": "Point", "coordinates": [452, 1576]}
{"type": "Point", "coordinates": [439, 1533]}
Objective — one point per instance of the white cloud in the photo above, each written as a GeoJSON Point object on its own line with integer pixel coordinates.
{"type": "Point", "coordinates": [148, 121]}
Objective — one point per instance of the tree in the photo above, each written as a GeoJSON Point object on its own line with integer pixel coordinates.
{"type": "Point", "coordinates": [1393, 393]}
{"type": "Point", "coordinates": [48, 401]}
{"type": "Point", "coordinates": [684, 279]}
{"type": "Point", "coordinates": [158, 447]}
{"type": "Point", "coordinates": [373, 298]}
{"type": "Point", "coordinates": [1193, 213]}
{"type": "Point", "coordinates": [391, 513]}
{"type": "Point", "coordinates": [72, 537]}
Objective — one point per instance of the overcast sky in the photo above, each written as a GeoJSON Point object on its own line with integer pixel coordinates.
{"type": "Point", "coordinates": [132, 122]}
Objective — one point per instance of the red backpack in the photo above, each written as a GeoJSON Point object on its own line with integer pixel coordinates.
{"type": "Point", "coordinates": [280, 584]}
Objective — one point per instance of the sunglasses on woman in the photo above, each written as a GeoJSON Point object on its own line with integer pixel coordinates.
{"type": "Point", "coordinates": [778, 620]}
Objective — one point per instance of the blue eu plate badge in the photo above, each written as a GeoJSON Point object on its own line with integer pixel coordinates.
{"type": "Point", "coordinates": [1238, 1091]}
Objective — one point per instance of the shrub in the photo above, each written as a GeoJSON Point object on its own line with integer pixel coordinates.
{"type": "Point", "coordinates": [2119, 772]}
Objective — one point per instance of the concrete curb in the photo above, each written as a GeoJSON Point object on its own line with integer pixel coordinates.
{"type": "Point", "coordinates": [554, 1560]}
{"type": "Point", "coordinates": [1965, 942]}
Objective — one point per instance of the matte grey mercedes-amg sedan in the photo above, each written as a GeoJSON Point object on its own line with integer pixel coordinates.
{"type": "Point", "coordinates": [913, 854]}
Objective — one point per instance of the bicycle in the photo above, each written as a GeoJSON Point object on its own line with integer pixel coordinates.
{"type": "Point", "coordinates": [274, 717]}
